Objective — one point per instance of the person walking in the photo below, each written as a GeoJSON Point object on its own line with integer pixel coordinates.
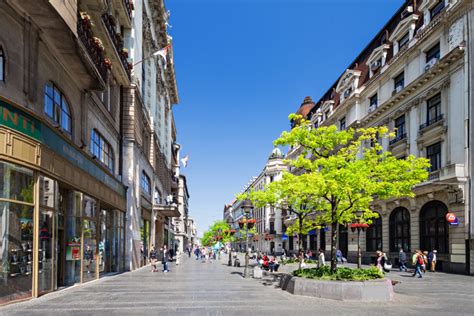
{"type": "Point", "coordinates": [418, 263]}
{"type": "Point", "coordinates": [380, 260]}
{"type": "Point", "coordinates": [197, 253]}
{"type": "Point", "coordinates": [402, 258]}
{"type": "Point", "coordinates": [153, 258]}
{"type": "Point", "coordinates": [165, 258]}
{"type": "Point", "coordinates": [432, 257]}
{"type": "Point", "coordinates": [424, 254]}
{"type": "Point", "coordinates": [321, 259]}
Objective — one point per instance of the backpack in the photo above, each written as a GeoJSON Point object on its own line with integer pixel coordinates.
{"type": "Point", "coordinates": [420, 260]}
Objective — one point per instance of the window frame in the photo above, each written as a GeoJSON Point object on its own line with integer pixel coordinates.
{"type": "Point", "coordinates": [437, 9]}
{"type": "Point", "coordinates": [436, 238]}
{"type": "Point", "coordinates": [433, 154]}
{"type": "Point", "coordinates": [374, 234]}
{"type": "Point", "coordinates": [54, 97]}
{"type": "Point", "coordinates": [374, 101]}
{"type": "Point", "coordinates": [101, 149]}
{"type": "Point", "coordinates": [400, 125]}
{"type": "Point", "coordinates": [342, 123]}
{"type": "Point", "coordinates": [403, 41]}
{"type": "Point", "coordinates": [395, 237]}
{"type": "Point", "coordinates": [433, 52]}
{"type": "Point", "coordinates": [145, 183]}
{"type": "Point", "coordinates": [399, 81]}
{"type": "Point", "coordinates": [433, 103]}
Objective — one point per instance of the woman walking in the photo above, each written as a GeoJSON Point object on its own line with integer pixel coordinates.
{"type": "Point", "coordinates": [153, 258]}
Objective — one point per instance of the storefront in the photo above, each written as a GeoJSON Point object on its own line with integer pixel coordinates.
{"type": "Point", "coordinates": [61, 214]}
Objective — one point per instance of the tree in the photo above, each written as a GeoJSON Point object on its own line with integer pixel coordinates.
{"type": "Point", "coordinates": [218, 231]}
{"type": "Point", "coordinates": [342, 172]}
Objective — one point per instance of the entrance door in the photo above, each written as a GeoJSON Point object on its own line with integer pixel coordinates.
{"type": "Point", "coordinates": [343, 240]}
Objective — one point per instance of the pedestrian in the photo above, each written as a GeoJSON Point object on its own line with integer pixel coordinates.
{"type": "Point", "coordinates": [165, 258]}
{"type": "Point", "coordinates": [339, 256]}
{"type": "Point", "coordinates": [197, 253]}
{"type": "Point", "coordinates": [432, 257]}
{"type": "Point", "coordinates": [380, 260]}
{"type": "Point", "coordinates": [153, 258]}
{"type": "Point", "coordinates": [402, 258]}
{"type": "Point", "coordinates": [425, 260]}
{"type": "Point", "coordinates": [273, 264]}
{"type": "Point", "coordinates": [418, 263]}
{"type": "Point", "coordinates": [321, 259]}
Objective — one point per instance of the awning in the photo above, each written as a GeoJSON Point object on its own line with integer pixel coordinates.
{"type": "Point", "coordinates": [167, 210]}
{"type": "Point", "coordinates": [312, 232]}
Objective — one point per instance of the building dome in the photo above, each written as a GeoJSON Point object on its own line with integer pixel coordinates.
{"type": "Point", "coordinates": [276, 154]}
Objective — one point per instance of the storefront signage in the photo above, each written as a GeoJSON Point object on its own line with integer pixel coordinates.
{"type": "Point", "coordinates": [73, 251]}
{"type": "Point", "coordinates": [22, 122]}
{"type": "Point", "coordinates": [450, 217]}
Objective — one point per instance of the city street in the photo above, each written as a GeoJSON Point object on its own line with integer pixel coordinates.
{"type": "Point", "coordinates": [196, 288]}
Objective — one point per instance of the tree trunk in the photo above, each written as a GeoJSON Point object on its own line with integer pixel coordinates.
{"type": "Point", "coordinates": [300, 243]}
{"type": "Point", "coordinates": [334, 228]}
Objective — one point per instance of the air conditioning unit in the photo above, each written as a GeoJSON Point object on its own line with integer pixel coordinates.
{"type": "Point", "coordinates": [431, 63]}
{"type": "Point", "coordinates": [375, 65]}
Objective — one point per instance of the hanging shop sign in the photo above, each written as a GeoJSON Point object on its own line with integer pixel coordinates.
{"type": "Point", "coordinates": [452, 219]}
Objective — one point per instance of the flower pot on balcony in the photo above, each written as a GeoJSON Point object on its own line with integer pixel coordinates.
{"type": "Point", "coordinates": [108, 63]}
{"type": "Point", "coordinates": [124, 52]}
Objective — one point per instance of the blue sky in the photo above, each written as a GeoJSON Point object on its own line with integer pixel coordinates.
{"type": "Point", "coordinates": [242, 66]}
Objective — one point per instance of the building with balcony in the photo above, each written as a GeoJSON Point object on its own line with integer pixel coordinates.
{"type": "Point", "coordinates": [182, 234]}
{"type": "Point", "coordinates": [414, 77]}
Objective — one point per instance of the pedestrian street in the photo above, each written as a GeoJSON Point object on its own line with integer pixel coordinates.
{"type": "Point", "coordinates": [213, 288]}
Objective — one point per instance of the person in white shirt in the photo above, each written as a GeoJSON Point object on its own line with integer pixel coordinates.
{"type": "Point", "coordinates": [432, 257]}
{"type": "Point", "coordinates": [321, 259]}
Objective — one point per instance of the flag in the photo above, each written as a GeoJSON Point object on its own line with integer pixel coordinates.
{"type": "Point", "coordinates": [184, 161]}
{"type": "Point", "coordinates": [163, 52]}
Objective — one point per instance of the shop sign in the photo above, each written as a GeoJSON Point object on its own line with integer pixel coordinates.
{"type": "Point", "coordinates": [19, 121]}
{"type": "Point", "coordinates": [73, 251]}
{"type": "Point", "coordinates": [452, 219]}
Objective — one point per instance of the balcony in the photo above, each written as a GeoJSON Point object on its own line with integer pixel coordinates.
{"type": "Point", "coordinates": [117, 41]}
{"type": "Point", "coordinates": [434, 175]}
{"type": "Point", "coordinates": [169, 210]}
{"type": "Point", "coordinates": [397, 139]}
{"type": "Point", "coordinates": [432, 121]}
{"type": "Point", "coordinates": [93, 45]}
{"type": "Point", "coordinates": [128, 7]}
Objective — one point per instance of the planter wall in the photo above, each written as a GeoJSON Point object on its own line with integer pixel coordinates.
{"type": "Point", "coordinates": [375, 290]}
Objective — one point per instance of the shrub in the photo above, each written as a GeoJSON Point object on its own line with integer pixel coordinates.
{"type": "Point", "coordinates": [342, 274]}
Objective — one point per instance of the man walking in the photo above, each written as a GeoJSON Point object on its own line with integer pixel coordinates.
{"type": "Point", "coordinates": [418, 261]}
{"type": "Point", "coordinates": [164, 258]}
{"type": "Point", "coordinates": [432, 260]}
{"type": "Point", "coordinates": [402, 258]}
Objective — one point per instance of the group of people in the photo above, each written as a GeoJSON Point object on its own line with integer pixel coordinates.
{"type": "Point", "coordinates": [420, 260]}
{"type": "Point", "coordinates": [268, 264]}
{"type": "Point", "coordinates": [164, 255]}
{"type": "Point", "coordinates": [206, 253]}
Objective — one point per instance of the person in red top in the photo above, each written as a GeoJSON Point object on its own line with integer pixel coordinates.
{"type": "Point", "coordinates": [266, 260]}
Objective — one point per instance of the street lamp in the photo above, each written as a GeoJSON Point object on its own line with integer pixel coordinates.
{"type": "Point", "coordinates": [360, 227]}
{"type": "Point", "coordinates": [247, 223]}
{"type": "Point", "coordinates": [230, 233]}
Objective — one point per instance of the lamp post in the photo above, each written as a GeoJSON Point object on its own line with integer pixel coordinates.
{"type": "Point", "coordinates": [231, 233]}
{"type": "Point", "coordinates": [247, 208]}
{"type": "Point", "coordinates": [360, 227]}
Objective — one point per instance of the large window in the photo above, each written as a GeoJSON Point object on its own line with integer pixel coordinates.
{"type": "Point", "coordinates": [403, 42]}
{"type": "Point", "coordinates": [56, 107]}
{"type": "Point", "coordinates": [437, 9]}
{"type": "Point", "coordinates": [374, 235]}
{"type": "Point", "coordinates": [102, 150]}
{"type": "Point", "coordinates": [400, 126]}
{"type": "Point", "coordinates": [433, 227]}
{"type": "Point", "coordinates": [433, 113]}
{"type": "Point", "coordinates": [145, 183]}
{"type": "Point", "coordinates": [399, 229]}
{"type": "Point", "coordinates": [373, 101]}
{"type": "Point", "coordinates": [433, 153]}
{"type": "Point", "coordinates": [432, 53]}
{"type": "Point", "coordinates": [342, 124]}
{"type": "Point", "coordinates": [399, 82]}
{"type": "Point", "coordinates": [2, 65]}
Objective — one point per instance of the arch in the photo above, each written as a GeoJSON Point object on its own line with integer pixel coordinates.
{"type": "Point", "coordinates": [3, 61]}
{"type": "Point", "coordinates": [434, 233]}
{"type": "Point", "coordinates": [56, 107]}
{"type": "Point", "coordinates": [399, 229]}
{"type": "Point", "coordinates": [374, 235]}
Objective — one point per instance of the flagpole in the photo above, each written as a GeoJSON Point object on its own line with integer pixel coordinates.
{"type": "Point", "coordinates": [156, 53]}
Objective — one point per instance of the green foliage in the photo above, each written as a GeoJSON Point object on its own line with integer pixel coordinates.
{"type": "Point", "coordinates": [218, 228]}
{"type": "Point", "coordinates": [341, 274]}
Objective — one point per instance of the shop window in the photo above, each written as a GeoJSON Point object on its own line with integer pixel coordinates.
{"type": "Point", "coordinates": [374, 235]}
{"type": "Point", "coordinates": [2, 64]}
{"type": "Point", "coordinates": [433, 153]}
{"type": "Point", "coordinates": [102, 150]}
{"type": "Point", "coordinates": [433, 227]}
{"type": "Point", "coordinates": [56, 107]}
{"type": "Point", "coordinates": [17, 183]}
{"type": "Point", "coordinates": [399, 229]}
{"type": "Point", "coordinates": [145, 183]}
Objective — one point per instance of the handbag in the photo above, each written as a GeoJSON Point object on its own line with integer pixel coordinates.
{"type": "Point", "coordinates": [387, 266]}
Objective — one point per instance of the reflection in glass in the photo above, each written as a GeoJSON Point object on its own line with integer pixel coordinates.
{"type": "Point", "coordinates": [72, 273]}
{"type": "Point", "coordinates": [45, 252]}
{"type": "Point", "coordinates": [90, 247]}
{"type": "Point", "coordinates": [16, 183]}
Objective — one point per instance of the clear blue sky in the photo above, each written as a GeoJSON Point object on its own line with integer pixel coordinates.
{"type": "Point", "coordinates": [242, 66]}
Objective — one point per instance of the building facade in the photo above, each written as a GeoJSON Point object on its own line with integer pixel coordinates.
{"type": "Point", "coordinates": [413, 77]}
{"type": "Point", "coordinates": [182, 233]}
{"type": "Point", "coordinates": [76, 138]}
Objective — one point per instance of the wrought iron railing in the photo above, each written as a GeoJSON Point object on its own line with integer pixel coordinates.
{"type": "Point", "coordinates": [398, 138]}
{"type": "Point", "coordinates": [117, 39]}
{"type": "Point", "coordinates": [432, 121]}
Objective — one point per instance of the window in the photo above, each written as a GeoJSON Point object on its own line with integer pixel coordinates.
{"type": "Point", "coordinates": [433, 153]}
{"type": "Point", "coordinates": [433, 53]}
{"type": "Point", "coordinates": [2, 65]}
{"type": "Point", "coordinates": [145, 183]}
{"type": "Point", "coordinates": [322, 238]}
{"type": "Point", "coordinates": [400, 127]}
{"type": "Point", "coordinates": [399, 82]}
{"type": "Point", "coordinates": [433, 113]}
{"type": "Point", "coordinates": [403, 42]}
{"type": "Point", "coordinates": [56, 107]}
{"type": "Point", "coordinates": [374, 235]}
{"type": "Point", "coordinates": [342, 123]}
{"type": "Point", "coordinates": [157, 197]}
{"type": "Point", "coordinates": [433, 227]}
{"type": "Point", "coordinates": [373, 101]}
{"type": "Point", "coordinates": [272, 228]}
{"type": "Point", "coordinates": [437, 9]}
{"type": "Point", "coordinates": [102, 150]}
{"type": "Point", "coordinates": [399, 229]}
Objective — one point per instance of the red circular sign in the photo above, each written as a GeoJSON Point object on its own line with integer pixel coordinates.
{"type": "Point", "coordinates": [450, 217]}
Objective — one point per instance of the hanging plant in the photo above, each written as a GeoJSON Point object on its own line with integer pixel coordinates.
{"type": "Point", "coordinates": [98, 43]}
{"type": "Point", "coordinates": [130, 66]}
{"type": "Point", "coordinates": [108, 63]}
{"type": "Point", "coordinates": [124, 52]}
{"type": "Point", "coordinates": [86, 19]}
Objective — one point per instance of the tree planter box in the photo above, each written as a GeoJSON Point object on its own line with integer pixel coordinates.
{"type": "Point", "coordinates": [375, 290]}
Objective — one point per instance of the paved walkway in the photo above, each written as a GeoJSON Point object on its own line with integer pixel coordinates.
{"type": "Point", "coordinates": [196, 288]}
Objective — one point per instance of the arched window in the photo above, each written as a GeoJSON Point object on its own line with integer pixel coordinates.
{"type": "Point", "coordinates": [433, 227]}
{"type": "Point", "coordinates": [102, 150]}
{"type": "Point", "coordinates": [399, 229]}
{"type": "Point", "coordinates": [56, 107]}
{"type": "Point", "coordinates": [2, 64]}
{"type": "Point", "coordinates": [374, 235]}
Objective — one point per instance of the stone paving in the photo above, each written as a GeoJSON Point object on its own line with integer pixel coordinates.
{"type": "Point", "coordinates": [196, 288]}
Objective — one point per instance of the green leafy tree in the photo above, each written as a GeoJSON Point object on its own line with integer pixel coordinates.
{"type": "Point", "coordinates": [218, 231]}
{"type": "Point", "coordinates": [341, 173]}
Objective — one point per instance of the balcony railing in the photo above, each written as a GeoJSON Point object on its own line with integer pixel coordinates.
{"type": "Point", "coordinates": [398, 138]}
{"type": "Point", "coordinates": [434, 175]}
{"type": "Point", "coordinates": [432, 121]}
{"type": "Point", "coordinates": [93, 46]}
{"type": "Point", "coordinates": [129, 7]}
{"type": "Point", "coordinates": [117, 40]}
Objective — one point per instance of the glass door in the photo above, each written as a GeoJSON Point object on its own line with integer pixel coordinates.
{"type": "Point", "coordinates": [46, 258]}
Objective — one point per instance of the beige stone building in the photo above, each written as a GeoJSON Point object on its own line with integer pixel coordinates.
{"type": "Point", "coordinates": [414, 78]}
